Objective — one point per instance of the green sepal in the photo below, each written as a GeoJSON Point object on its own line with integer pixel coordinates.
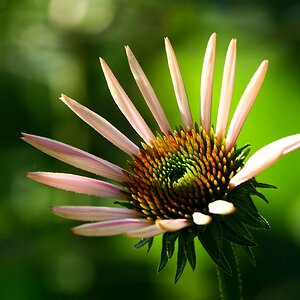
{"type": "Point", "coordinates": [224, 264]}
{"type": "Point", "coordinates": [168, 247]}
{"type": "Point", "coordinates": [238, 151]}
{"type": "Point", "coordinates": [240, 155]}
{"type": "Point", "coordinates": [264, 222]}
{"type": "Point", "coordinates": [210, 237]}
{"type": "Point", "coordinates": [216, 232]}
{"type": "Point", "coordinates": [235, 231]}
{"type": "Point", "coordinates": [249, 188]}
{"type": "Point", "coordinates": [254, 221]}
{"type": "Point", "coordinates": [264, 185]}
{"type": "Point", "coordinates": [181, 258]}
{"type": "Point", "coordinates": [243, 202]}
{"type": "Point", "coordinates": [164, 254]}
{"type": "Point", "coordinates": [144, 242]}
{"type": "Point", "coordinates": [250, 254]}
{"type": "Point", "coordinates": [205, 236]}
{"type": "Point", "coordinates": [214, 236]}
{"type": "Point", "coordinates": [189, 245]}
{"type": "Point", "coordinates": [172, 237]}
{"type": "Point", "coordinates": [186, 250]}
{"type": "Point", "coordinates": [248, 214]}
{"type": "Point", "coordinates": [259, 194]}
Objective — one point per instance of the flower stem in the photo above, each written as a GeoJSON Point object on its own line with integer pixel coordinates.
{"type": "Point", "coordinates": [230, 287]}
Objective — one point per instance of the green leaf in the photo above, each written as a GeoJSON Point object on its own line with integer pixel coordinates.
{"type": "Point", "coordinates": [181, 259]}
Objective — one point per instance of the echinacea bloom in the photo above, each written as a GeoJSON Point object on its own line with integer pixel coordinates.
{"type": "Point", "coordinates": [187, 182]}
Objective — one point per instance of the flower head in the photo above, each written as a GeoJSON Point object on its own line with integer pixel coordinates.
{"type": "Point", "coordinates": [187, 182]}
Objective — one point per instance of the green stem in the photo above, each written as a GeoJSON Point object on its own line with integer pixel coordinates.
{"type": "Point", "coordinates": [230, 286]}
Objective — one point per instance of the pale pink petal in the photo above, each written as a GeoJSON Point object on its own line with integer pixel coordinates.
{"type": "Point", "coordinates": [101, 125]}
{"type": "Point", "coordinates": [207, 84]}
{"type": "Point", "coordinates": [245, 104]}
{"type": "Point", "coordinates": [265, 157]}
{"type": "Point", "coordinates": [221, 207]}
{"type": "Point", "coordinates": [148, 92]}
{"type": "Point", "coordinates": [172, 224]}
{"type": "Point", "coordinates": [145, 232]}
{"type": "Point", "coordinates": [125, 105]}
{"type": "Point", "coordinates": [94, 213]}
{"type": "Point", "coordinates": [76, 157]}
{"type": "Point", "coordinates": [201, 219]}
{"type": "Point", "coordinates": [226, 90]}
{"type": "Point", "coordinates": [78, 184]}
{"type": "Point", "coordinates": [182, 99]}
{"type": "Point", "coordinates": [108, 228]}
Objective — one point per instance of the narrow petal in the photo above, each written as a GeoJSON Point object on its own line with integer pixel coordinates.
{"type": "Point", "coordinates": [172, 224]}
{"type": "Point", "coordinates": [78, 184]}
{"type": "Point", "coordinates": [182, 99]}
{"type": "Point", "coordinates": [201, 219]}
{"type": "Point", "coordinates": [221, 207]}
{"type": "Point", "coordinates": [265, 157]}
{"type": "Point", "coordinates": [76, 157]}
{"type": "Point", "coordinates": [108, 228]}
{"type": "Point", "coordinates": [207, 83]}
{"type": "Point", "coordinates": [145, 232]}
{"type": "Point", "coordinates": [102, 126]}
{"type": "Point", "coordinates": [226, 90]}
{"type": "Point", "coordinates": [125, 105]}
{"type": "Point", "coordinates": [148, 92]}
{"type": "Point", "coordinates": [245, 104]}
{"type": "Point", "coordinates": [94, 213]}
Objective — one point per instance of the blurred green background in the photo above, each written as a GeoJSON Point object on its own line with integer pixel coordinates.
{"type": "Point", "coordinates": [52, 47]}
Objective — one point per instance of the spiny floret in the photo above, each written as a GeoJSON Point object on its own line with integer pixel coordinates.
{"type": "Point", "coordinates": [181, 173]}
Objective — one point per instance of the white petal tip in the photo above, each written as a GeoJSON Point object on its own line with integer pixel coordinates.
{"type": "Point", "coordinates": [172, 224]}
{"type": "Point", "coordinates": [102, 62]}
{"type": "Point", "coordinates": [128, 51]}
{"type": "Point", "coordinates": [201, 219]}
{"type": "Point", "coordinates": [221, 207]}
{"type": "Point", "coordinates": [65, 99]}
{"type": "Point", "coordinates": [62, 96]}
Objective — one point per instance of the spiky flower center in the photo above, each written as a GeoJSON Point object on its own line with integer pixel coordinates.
{"type": "Point", "coordinates": [181, 173]}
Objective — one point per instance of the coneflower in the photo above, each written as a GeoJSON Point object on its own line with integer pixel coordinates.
{"type": "Point", "coordinates": [184, 183]}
